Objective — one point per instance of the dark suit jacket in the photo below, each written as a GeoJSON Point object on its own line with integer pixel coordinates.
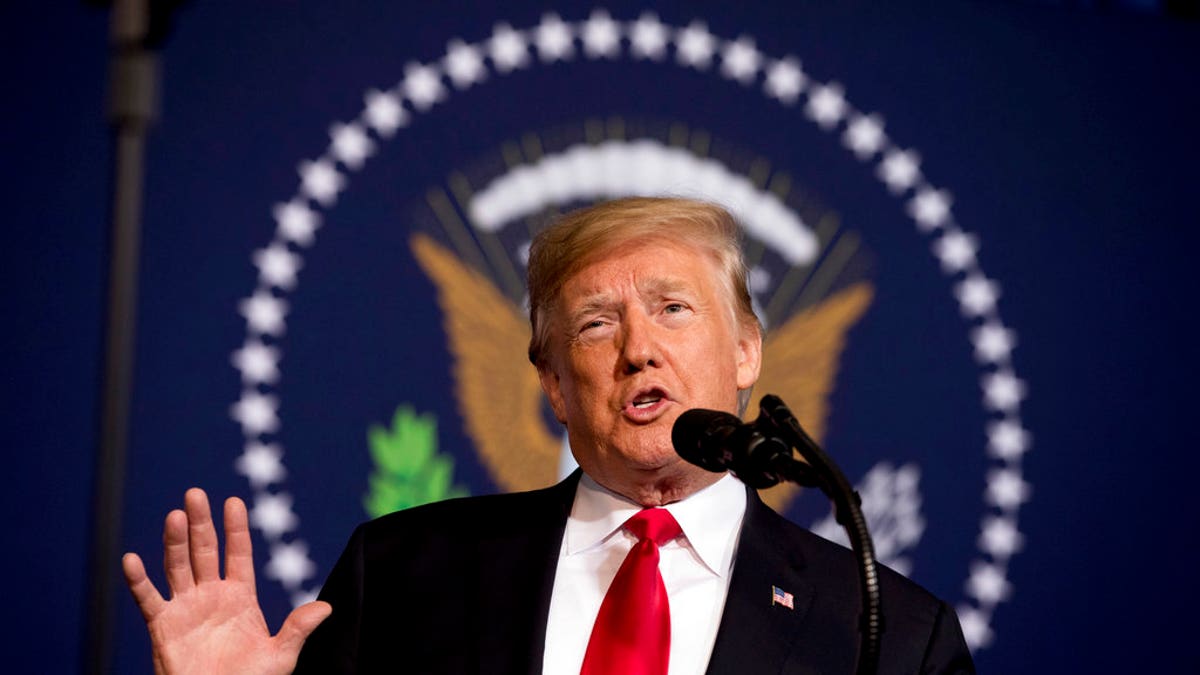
{"type": "Point", "coordinates": [463, 586]}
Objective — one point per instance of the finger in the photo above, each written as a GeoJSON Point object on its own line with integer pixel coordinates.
{"type": "Point", "coordinates": [176, 560]}
{"type": "Point", "coordinates": [239, 554]}
{"type": "Point", "coordinates": [202, 537]}
{"type": "Point", "coordinates": [300, 624]}
{"type": "Point", "coordinates": [144, 593]}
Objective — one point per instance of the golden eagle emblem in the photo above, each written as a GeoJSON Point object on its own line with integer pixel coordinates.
{"type": "Point", "coordinates": [501, 401]}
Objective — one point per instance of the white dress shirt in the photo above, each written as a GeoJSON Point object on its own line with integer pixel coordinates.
{"type": "Point", "coordinates": [695, 567]}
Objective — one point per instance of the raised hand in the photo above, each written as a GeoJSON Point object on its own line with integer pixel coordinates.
{"type": "Point", "coordinates": [214, 625]}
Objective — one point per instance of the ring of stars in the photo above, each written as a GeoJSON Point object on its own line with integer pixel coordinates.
{"type": "Point", "coordinates": [783, 80]}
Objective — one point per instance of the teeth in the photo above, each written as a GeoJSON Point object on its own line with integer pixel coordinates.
{"type": "Point", "coordinates": [645, 403]}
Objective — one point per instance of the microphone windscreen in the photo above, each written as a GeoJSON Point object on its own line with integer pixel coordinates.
{"type": "Point", "coordinates": [699, 437]}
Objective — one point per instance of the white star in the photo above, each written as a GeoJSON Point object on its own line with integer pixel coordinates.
{"type": "Point", "coordinates": [258, 363]}
{"type": "Point", "coordinates": [273, 514]}
{"type": "Point", "coordinates": [1002, 390]}
{"type": "Point", "coordinates": [384, 112]}
{"type": "Point", "coordinates": [988, 584]}
{"type": "Point", "coordinates": [976, 295]}
{"type": "Point", "coordinates": [507, 48]}
{"type": "Point", "coordinates": [289, 564]}
{"type": "Point", "coordinates": [264, 313]}
{"type": "Point", "coordinates": [256, 413]}
{"type": "Point", "coordinates": [277, 266]}
{"type": "Point", "coordinates": [864, 135]}
{"type": "Point", "coordinates": [423, 85]}
{"type": "Point", "coordinates": [1006, 489]}
{"type": "Point", "coordinates": [553, 39]}
{"type": "Point", "coordinates": [1007, 439]}
{"type": "Point", "coordinates": [260, 463]}
{"type": "Point", "coordinates": [993, 342]}
{"type": "Point", "coordinates": [321, 181]}
{"type": "Point", "coordinates": [296, 222]}
{"type": "Point", "coordinates": [601, 36]}
{"type": "Point", "coordinates": [975, 627]}
{"type": "Point", "coordinates": [740, 60]}
{"type": "Point", "coordinates": [930, 208]}
{"type": "Point", "coordinates": [785, 80]}
{"type": "Point", "coordinates": [351, 144]}
{"type": "Point", "coordinates": [956, 250]}
{"type": "Point", "coordinates": [464, 64]}
{"type": "Point", "coordinates": [826, 105]}
{"type": "Point", "coordinates": [648, 37]}
{"type": "Point", "coordinates": [695, 45]}
{"type": "Point", "coordinates": [1000, 537]}
{"type": "Point", "coordinates": [900, 169]}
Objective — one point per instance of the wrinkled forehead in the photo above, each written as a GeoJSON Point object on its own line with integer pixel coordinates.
{"type": "Point", "coordinates": [664, 263]}
{"type": "Point", "coordinates": [649, 267]}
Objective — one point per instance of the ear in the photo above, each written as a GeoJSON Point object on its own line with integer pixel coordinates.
{"type": "Point", "coordinates": [552, 386]}
{"type": "Point", "coordinates": [749, 357]}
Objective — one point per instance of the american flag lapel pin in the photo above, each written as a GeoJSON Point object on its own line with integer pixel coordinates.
{"type": "Point", "coordinates": [782, 597]}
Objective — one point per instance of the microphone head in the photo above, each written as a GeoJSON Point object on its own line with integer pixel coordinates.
{"type": "Point", "coordinates": [698, 436]}
{"type": "Point", "coordinates": [718, 441]}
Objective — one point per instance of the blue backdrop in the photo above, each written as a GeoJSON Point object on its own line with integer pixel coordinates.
{"type": "Point", "coordinates": [971, 225]}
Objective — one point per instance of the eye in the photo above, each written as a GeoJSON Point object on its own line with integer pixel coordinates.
{"type": "Point", "coordinates": [674, 308]}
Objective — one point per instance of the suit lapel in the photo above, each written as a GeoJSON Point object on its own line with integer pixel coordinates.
{"type": "Point", "coordinates": [756, 636]}
{"type": "Point", "coordinates": [516, 569]}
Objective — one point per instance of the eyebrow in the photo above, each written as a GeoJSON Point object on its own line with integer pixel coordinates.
{"type": "Point", "coordinates": [593, 303]}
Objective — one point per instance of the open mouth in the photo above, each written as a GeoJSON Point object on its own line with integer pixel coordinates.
{"type": "Point", "coordinates": [647, 402]}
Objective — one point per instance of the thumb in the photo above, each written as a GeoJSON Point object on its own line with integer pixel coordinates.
{"type": "Point", "coordinates": [301, 623]}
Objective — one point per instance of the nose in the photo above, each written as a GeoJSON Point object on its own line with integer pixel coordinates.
{"type": "Point", "coordinates": [639, 343]}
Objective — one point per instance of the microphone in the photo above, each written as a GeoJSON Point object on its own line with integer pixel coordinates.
{"type": "Point", "coordinates": [760, 453]}
{"type": "Point", "coordinates": [718, 441]}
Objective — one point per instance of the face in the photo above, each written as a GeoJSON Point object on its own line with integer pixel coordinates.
{"type": "Point", "coordinates": [637, 337]}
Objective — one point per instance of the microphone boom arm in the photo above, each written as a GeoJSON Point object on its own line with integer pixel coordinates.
{"type": "Point", "coordinates": [822, 472]}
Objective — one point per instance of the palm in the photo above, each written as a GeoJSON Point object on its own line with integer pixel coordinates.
{"type": "Point", "coordinates": [210, 624]}
{"type": "Point", "coordinates": [208, 621]}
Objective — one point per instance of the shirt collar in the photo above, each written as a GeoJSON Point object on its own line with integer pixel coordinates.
{"type": "Point", "coordinates": [710, 519]}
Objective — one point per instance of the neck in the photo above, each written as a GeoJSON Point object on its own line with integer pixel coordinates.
{"type": "Point", "coordinates": [659, 490]}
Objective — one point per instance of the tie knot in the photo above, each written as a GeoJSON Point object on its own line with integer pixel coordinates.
{"type": "Point", "coordinates": [657, 525]}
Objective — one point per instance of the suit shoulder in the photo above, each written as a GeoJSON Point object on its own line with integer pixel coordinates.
{"type": "Point", "coordinates": [921, 632]}
{"type": "Point", "coordinates": [468, 518]}
{"type": "Point", "coordinates": [838, 566]}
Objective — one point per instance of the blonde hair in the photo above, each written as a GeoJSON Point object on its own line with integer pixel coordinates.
{"type": "Point", "coordinates": [579, 237]}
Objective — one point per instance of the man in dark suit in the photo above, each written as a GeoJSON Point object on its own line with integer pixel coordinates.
{"type": "Point", "coordinates": [639, 311]}
{"type": "Point", "coordinates": [487, 611]}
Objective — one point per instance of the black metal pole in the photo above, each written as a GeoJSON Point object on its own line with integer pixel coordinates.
{"type": "Point", "coordinates": [847, 509]}
{"type": "Point", "coordinates": [132, 104]}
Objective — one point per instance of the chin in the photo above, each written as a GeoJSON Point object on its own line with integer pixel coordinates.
{"type": "Point", "coordinates": [652, 457]}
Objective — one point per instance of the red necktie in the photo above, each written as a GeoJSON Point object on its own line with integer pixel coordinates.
{"type": "Point", "coordinates": [632, 634]}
